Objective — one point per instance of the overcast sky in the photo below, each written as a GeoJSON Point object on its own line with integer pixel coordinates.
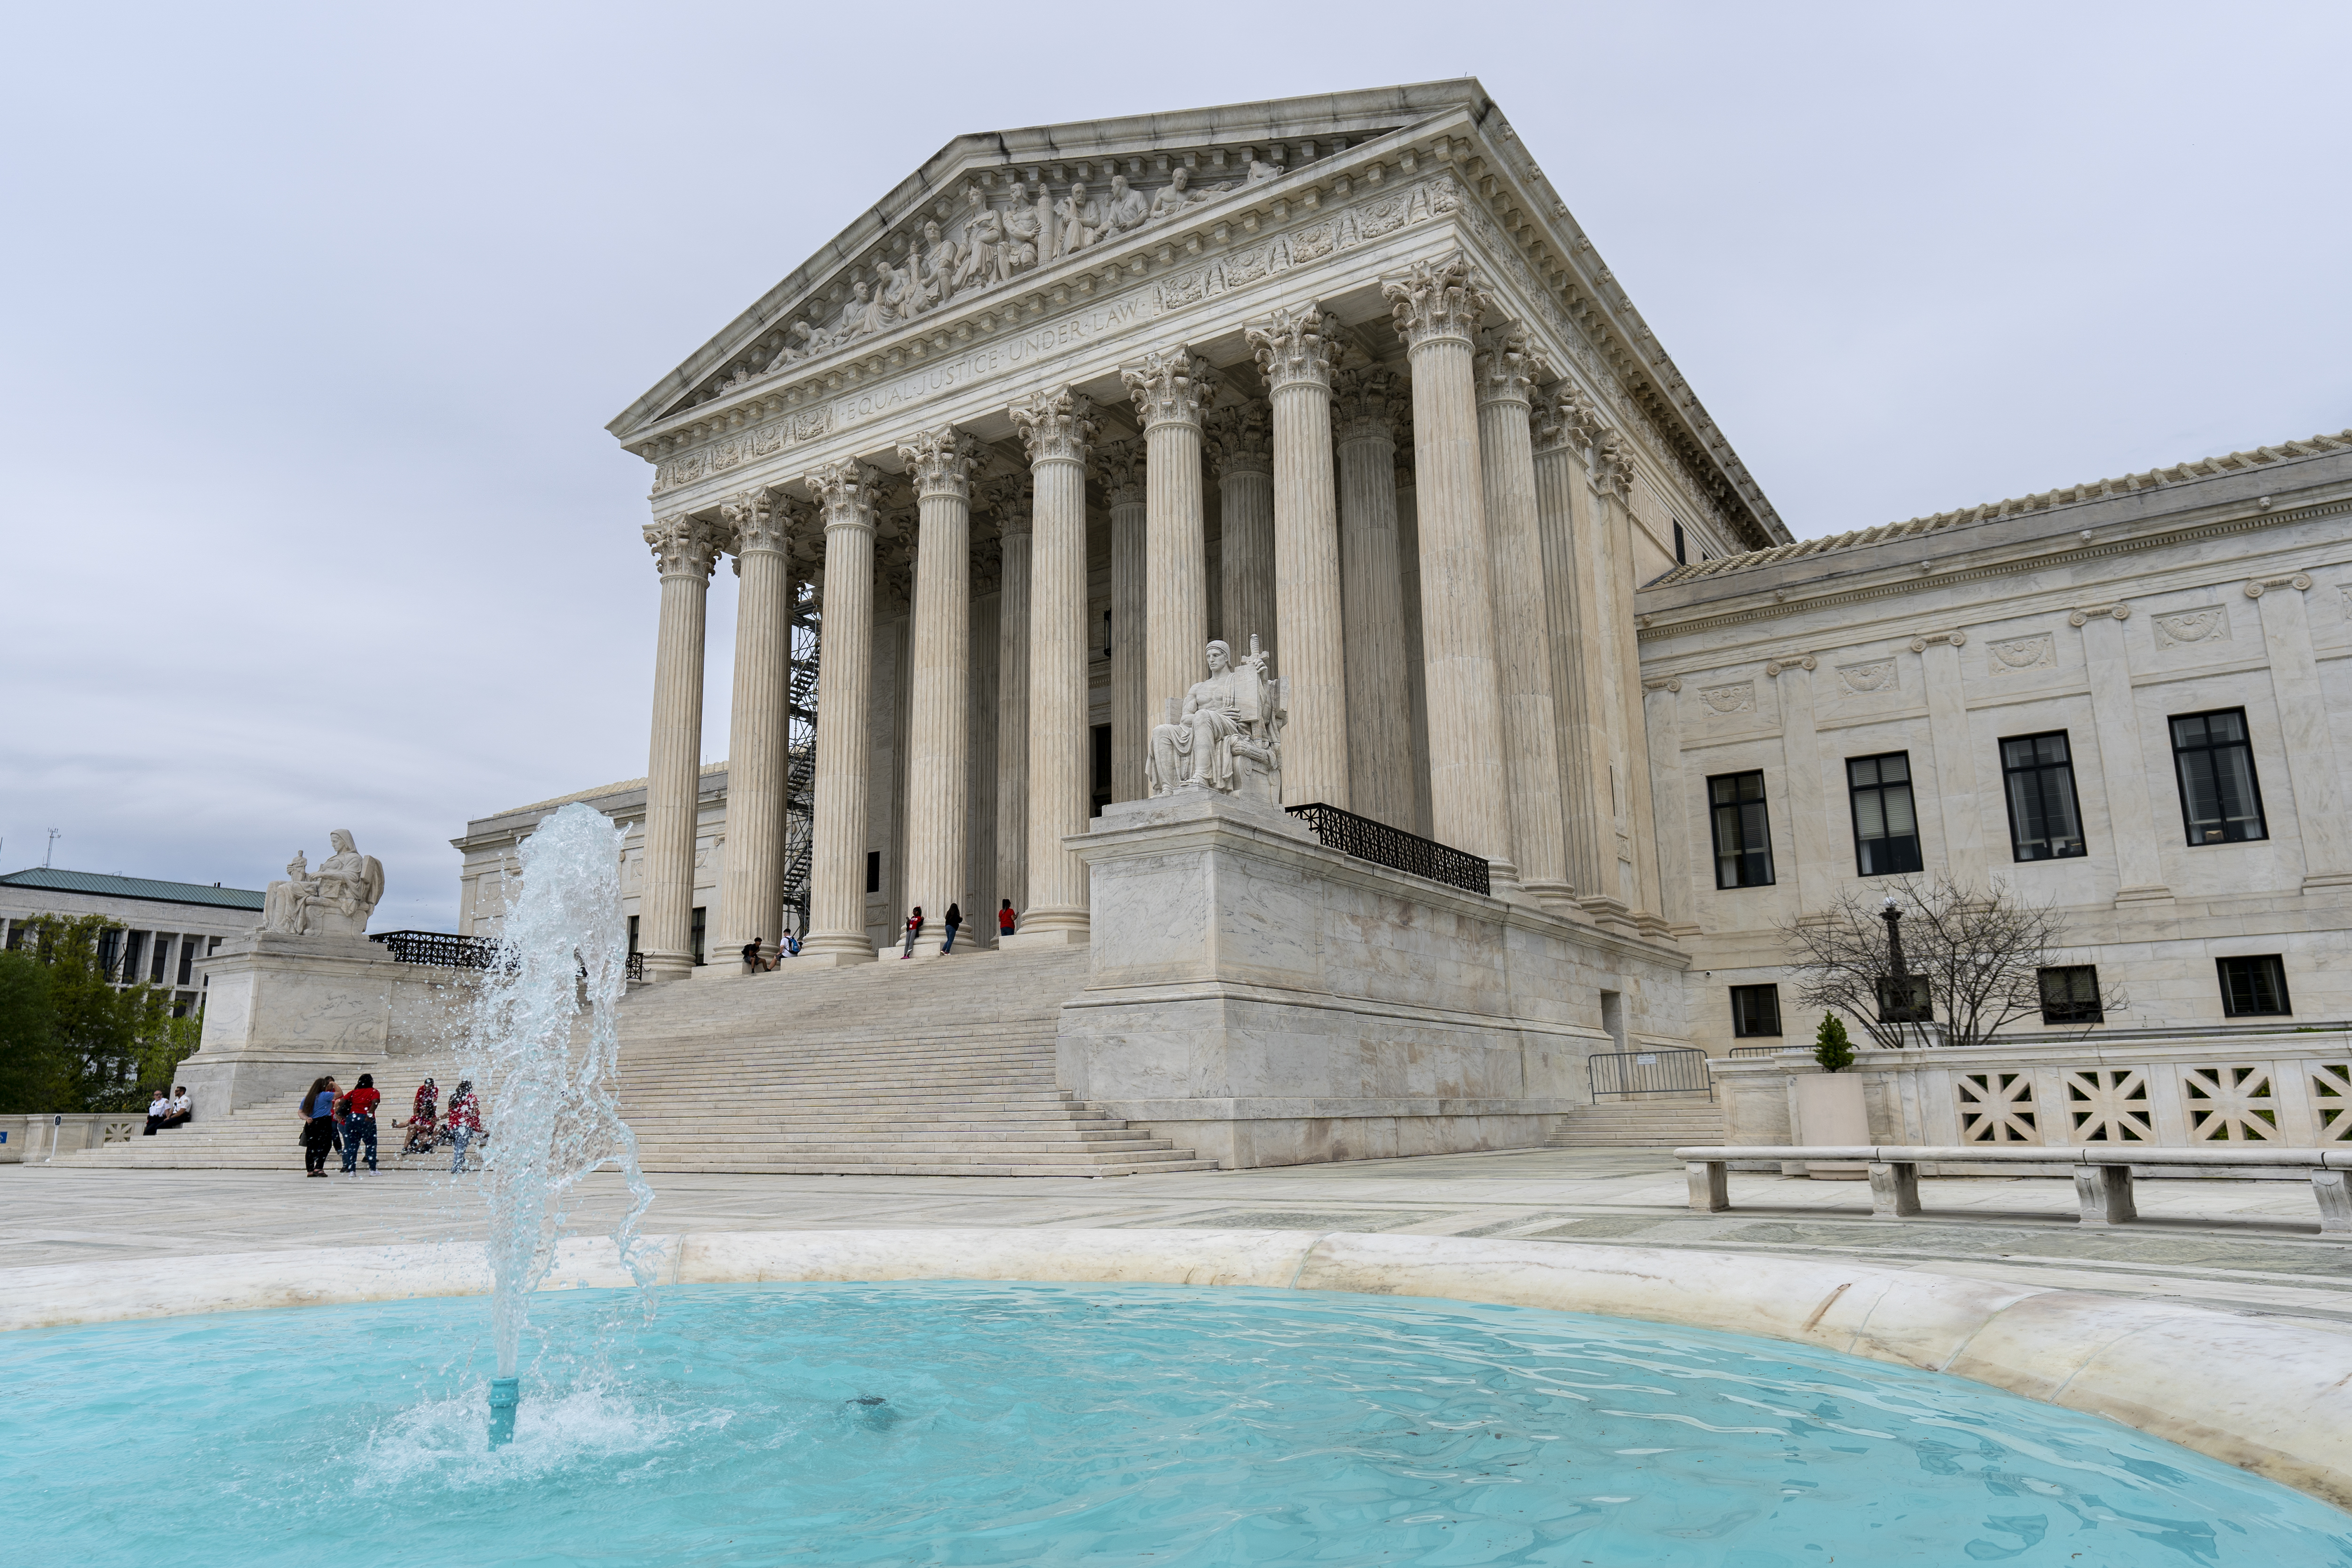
{"type": "Point", "coordinates": [314, 315]}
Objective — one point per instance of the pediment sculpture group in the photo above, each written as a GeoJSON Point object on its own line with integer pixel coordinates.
{"type": "Point", "coordinates": [334, 900]}
{"type": "Point", "coordinates": [1226, 734]}
{"type": "Point", "coordinates": [992, 245]}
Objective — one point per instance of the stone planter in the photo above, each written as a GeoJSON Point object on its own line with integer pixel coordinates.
{"type": "Point", "coordinates": [1829, 1112]}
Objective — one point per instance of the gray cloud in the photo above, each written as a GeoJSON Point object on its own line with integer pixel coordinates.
{"type": "Point", "coordinates": [315, 319]}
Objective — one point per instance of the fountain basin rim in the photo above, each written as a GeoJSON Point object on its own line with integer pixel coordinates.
{"type": "Point", "coordinates": [2266, 1394]}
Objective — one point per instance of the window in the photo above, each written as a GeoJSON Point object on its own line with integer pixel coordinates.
{"type": "Point", "coordinates": [110, 948]}
{"type": "Point", "coordinates": [1682, 550]}
{"type": "Point", "coordinates": [873, 870]}
{"type": "Point", "coordinates": [1756, 1010]}
{"type": "Point", "coordinates": [163, 956]}
{"type": "Point", "coordinates": [1743, 832]}
{"type": "Point", "coordinates": [2070, 994]}
{"type": "Point", "coordinates": [134, 954]}
{"type": "Point", "coordinates": [2043, 821]}
{"type": "Point", "coordinates": [2219, 800]}
{"type": "Point", "coordinates": [2253, 987]}
{"type": "Point", "coordinates": [633, 933]}
{"type": "Point", "coordinates": [1885, 833]}
{"type": "Point", "coordinates": [697, 936]}
{"type": "Point", "coordinates": [187, 957]}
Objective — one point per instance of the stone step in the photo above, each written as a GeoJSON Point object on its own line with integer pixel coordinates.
{"type": "Point", "coordinates": [1658, 1122]}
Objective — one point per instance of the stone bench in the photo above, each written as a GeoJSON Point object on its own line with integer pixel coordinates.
{"type": "Point", "coordinates": [2103, 1174]}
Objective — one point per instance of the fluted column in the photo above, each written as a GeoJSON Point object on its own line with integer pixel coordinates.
{"type": "Point", "coordinates": [1565, 424]}
{"type": "Point", "coordinates": [1416, 684]}
{"type": "Point", "coordinates": [1057, 427]}
{"type": "Point", "coordinates": [684, 549]}
{"type": "Point", "coordinates": [847, 491]}
{"type": "Point", "coordinates": [1613, 470]}
{"type": "Point", "coordinates": [939, 740]}
{"type": "Point", "coordinates": [1010, 499]}
{"type": "Point", "coordinates": [1507, 372]}
{"type": "Point", "coordinates": [1379, 715]}
{"type": "Point", "coordinates": [1241, 444]}
{"type": "Point", "coordinates": [1170, 392]}
{"type": "Point", "coordinates": [1295, 351]}
{"type": "Point", "coordinates": [1120, 466]}
{"type": "Point", "coordinates": [750, 892]}
{"type": "Point", "coordinates": [1436, 308]}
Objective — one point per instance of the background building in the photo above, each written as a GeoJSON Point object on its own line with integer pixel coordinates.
{"type": "Point", "coordinates": [168, 928]}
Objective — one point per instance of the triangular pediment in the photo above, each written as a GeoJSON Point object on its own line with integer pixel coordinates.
{"type": "Point", "coordinates": [1004, 205]}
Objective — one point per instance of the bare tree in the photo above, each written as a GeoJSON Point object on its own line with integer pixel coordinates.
{"type": "Point", "coordinates": [1981, 954]}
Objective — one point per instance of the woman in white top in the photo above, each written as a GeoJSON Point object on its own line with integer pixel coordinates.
{"type": "Point", "coordinates": [157, 1109]}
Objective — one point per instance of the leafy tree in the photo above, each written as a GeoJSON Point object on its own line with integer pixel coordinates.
{"type": "Point", "coordinates": [1831, 1046]}
{"type": "Point", "coordinates": [103, 1042]}
{"type": "Point", "coordinates": [1980, 953]}
{"type": "Point", "coordinates": [32, 1067]}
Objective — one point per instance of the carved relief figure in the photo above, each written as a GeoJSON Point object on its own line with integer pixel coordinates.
{"type": "Point", "coordinates": [982, 261]}
{"type": "Point", "coordinates": [1177, 194]}
{"type": "Point", "coordinates": [1126, 209]}
{"type": "Point", "coordinates": [1078, 221]}
{"type": "Point", "coordinates": [936, 264]}
{"type": "Point", "coordinates": [337, 900]}
{"type": "Point", "coordinates": [1228, 734]}
{"type": "Point", "coordinates": [1261, 173]}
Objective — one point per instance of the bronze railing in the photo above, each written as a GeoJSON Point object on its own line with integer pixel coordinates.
{"type": "Point", "coordinates": [1394, 848]}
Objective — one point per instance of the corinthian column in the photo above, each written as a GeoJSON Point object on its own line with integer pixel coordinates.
{"type": "Point", "coordinates": [1241, 446]}
{"type": "Point", "coordinates": [1120, 466]}
{"type": "Point", "coordinates": [750, 893]}
{"type": "Point", "coordinates": [1057, 427]}
{"type": "Point", "coordinates": [1009, 498]}
{"type": "Point", "coordinates": [1170, 391]}
{"type": "Point", "coordinates": [1380, 716]}
{"type": "Point", "coordinates": [1294, 351]}
{"type": "Point", "coordinates": [1565, 424]}
{"type": "Point", "coordinates": [1507, 372]}
{"type": "Point", "coordinates": [938, 739]}
{"type": "Point", "coordinates": [845, 675]}
{"type": "Point", "coordinates": [1436, 308]}
{"type": "Point", "coordinates": [684, 550]}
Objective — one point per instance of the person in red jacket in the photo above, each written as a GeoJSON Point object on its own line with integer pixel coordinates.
{"type": "Point", "coordinates": [914, 929]}
{"type": "Point", "coordinates": [1005, 920]}
{"type": "Point", "coordinates": [464, 1122]}
{"type": "Point", "coordinates": [359, 1124]}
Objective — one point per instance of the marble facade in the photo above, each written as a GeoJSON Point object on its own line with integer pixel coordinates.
{"type": "Point", "coordinates": [1340, 378]}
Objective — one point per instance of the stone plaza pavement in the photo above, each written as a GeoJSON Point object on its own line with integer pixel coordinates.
{"type": "Point", "coordinates": [2244, 1247]}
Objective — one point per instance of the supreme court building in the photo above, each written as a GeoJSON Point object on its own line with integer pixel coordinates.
{"type": "Point", "coordinates": [1340, 380]}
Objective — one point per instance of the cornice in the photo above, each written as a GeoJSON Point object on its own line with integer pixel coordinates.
{"type": "Point", "coordinates": [1654, 626]}
{"type": "Point", "coordinates": [1527, 229]}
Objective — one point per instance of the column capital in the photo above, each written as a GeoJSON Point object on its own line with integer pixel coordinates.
{"type": "Point", "coordinates": [848, 490]}
{"type": "Point", "coordinates": [941, 462]}
{"type": "Point", "coordinates": [1120, 466]}
{"type": "Point", "coordinates": [1435, 300]}
{"type": "Point", "coordinates": [684, 545]}
{"type": "Point", "coordinates": [1171, 388]}
{"type": "Point", "coordinates": [1006, 498]}
{"type": "Point", "coordinates": [1366, 405]}
{"type": "Point", "coordinates": [1507, 365]}
{"type": "Point", "coordinates": [1240, 439]}
{"type": "Point", "coordinates": [1563, 418]}
{"type": "Point", "coordinates": [764, 518]}
{"type": "Point", "coordinates": [1613, 464]}
{"type": "Point", "coordinates": [1293, 346]}
{"type": "Point", "coordinates": [1056, 424]}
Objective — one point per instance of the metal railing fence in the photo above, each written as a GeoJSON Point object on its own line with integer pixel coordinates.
{"type": "Point", "coordinates": [1672, 1069]}
{"type": "Point", "coordinates": [1382, 845]}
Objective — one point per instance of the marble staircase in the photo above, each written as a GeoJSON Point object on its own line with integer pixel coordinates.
{"type": "Point", "coordinates": [933, 1066]}
{"type": "Point", "coordinates": [1660, 1122]}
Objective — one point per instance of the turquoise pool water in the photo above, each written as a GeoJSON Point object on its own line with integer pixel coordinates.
{"type": "Point", "coordinates": [1039, 1424]}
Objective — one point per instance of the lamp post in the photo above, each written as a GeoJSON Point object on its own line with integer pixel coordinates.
{"type": "Point", "coordinates": [1899, 999]}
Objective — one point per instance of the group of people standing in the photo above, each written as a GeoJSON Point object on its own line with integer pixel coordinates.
{"type": "Point", "coordinates": [334, 1119]}
{"type": "Point", "coordinates": [1006, 921]}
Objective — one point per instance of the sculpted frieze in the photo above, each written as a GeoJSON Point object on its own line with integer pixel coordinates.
{"type": "Point", "coordinates": [2012, 656]}
{"type": "Point", "coordinates": [2183, 627]}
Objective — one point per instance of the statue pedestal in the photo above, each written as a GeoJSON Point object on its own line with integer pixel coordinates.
{"type": "Point", "coordinates": [1266, 1000]}
{"type": "Point", "coordinates": [281, 1010]}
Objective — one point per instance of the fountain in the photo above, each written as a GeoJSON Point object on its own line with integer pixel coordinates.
{"type": "Point", "coordinates": [542, 1044]}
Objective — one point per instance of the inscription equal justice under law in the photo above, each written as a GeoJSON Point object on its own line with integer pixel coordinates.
{"type": "Point", "coordinates": [993, 360]}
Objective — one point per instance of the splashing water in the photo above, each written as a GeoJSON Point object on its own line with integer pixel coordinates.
{"type": "Point", "coordinates": [543, 1048]}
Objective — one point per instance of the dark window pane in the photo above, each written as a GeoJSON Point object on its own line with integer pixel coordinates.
{"type": "Point", "coordinates": [2220, 800]}
{"type": "Point", "coordinates": [1742, 831]}
{"type": "Point", "coordinates": [2044, 822]}
{"type": "Point", "coordinates": [1886, 829]}
{"type": "Point", "coordinates": [2253, 987]}
{"type": "Point", "coordinates": [1754, 1010]}
{"type": "Point", "coordinates": [2070, 995]}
